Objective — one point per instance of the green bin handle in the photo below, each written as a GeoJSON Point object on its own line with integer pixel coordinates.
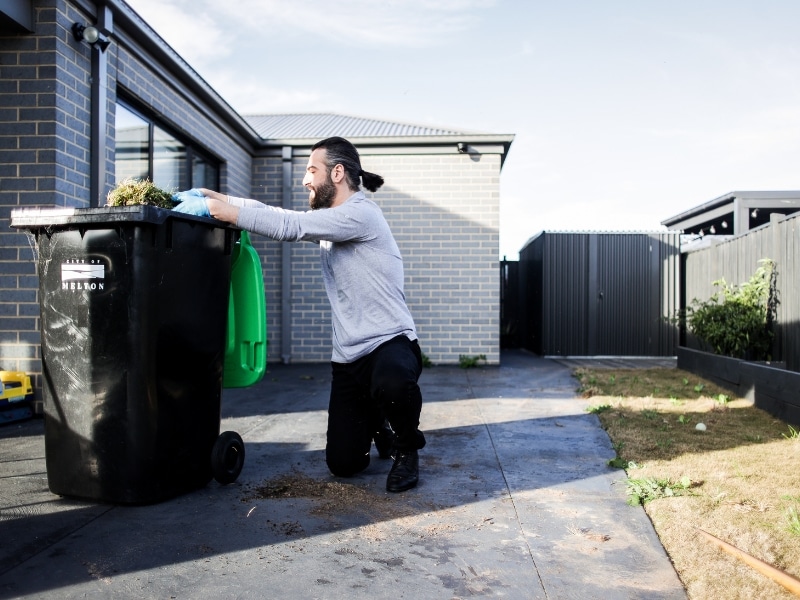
{"type": "Point", "coordinates": [246, 347]}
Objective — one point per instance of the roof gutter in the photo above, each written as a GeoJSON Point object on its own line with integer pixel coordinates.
{"type": "Point", "coordinates": [395, 144]}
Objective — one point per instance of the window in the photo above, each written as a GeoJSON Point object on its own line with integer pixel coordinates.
{"type": "Point", "coordinates": [132, 146]}
{"type": "Point", "coordinates": [146, 150]}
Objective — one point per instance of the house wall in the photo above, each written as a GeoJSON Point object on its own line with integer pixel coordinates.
{"type": "Point", "coordinates": [44, 151]}
{"type": "Point", "coordinates": [444, 212]}
{"type": "Point", "coordinates": [45, 119]}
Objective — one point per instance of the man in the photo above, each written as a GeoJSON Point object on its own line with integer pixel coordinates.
{"type": "Point", "coordinates": [376, 360]}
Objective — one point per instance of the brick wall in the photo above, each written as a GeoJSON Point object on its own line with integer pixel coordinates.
{"type": "Point", "coordinates": [45, 121]}
{"type": "Point", "coordinates": [268, 188]}
{"type": "Point", "coordinates": [444, 213]}
{"type": "Point", "coordinates": [44, 141]}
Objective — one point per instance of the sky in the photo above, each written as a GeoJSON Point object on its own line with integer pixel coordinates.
{"type": "Point", "coordinates": [625, 112]}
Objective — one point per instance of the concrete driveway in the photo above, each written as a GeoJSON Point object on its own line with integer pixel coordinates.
{"type": "Point", "coordinates": [515, 501]}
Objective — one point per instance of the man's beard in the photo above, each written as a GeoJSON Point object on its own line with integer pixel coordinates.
{"type": "Point", "coordinates": [322, 196]}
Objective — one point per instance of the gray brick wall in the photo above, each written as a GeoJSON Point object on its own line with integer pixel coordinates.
{"type": "Point", "coordinates": [44, 138]}
{"type": "Point", "coordinates": [444, 213]}
{"type": "Point", "coordinates": [45, 110]}
{"type": "Point", "coordinates": [268, 188]}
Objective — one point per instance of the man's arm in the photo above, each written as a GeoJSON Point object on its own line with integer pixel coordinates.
{"type": "Point", "coordinates": [218, 206]}
{"type": "Point", "coordinates": [221, 210]}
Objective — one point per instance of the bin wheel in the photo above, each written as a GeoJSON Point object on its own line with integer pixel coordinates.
{"type": "Point", "coordinates": [227, 457]}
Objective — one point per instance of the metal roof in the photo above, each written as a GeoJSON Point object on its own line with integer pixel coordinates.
{"type": "Point", "coordinates": [770, 196]}
{"type": "Point", "coordinates": [321, 125]}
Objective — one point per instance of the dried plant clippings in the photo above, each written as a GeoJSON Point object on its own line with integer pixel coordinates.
{"type": "Point", "coordinates": [330, 497]}
{"type": "Point", "coordinates": [587, 533]}
{"type": "Point", "coordinates": [139, 192]}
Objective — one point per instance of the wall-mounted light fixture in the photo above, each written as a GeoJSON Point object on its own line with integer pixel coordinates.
{"type": "Point", "coordinates": [754, 214]}
{"type": "Point", "coordinates": [462, 148]}
{"type": "Point", "coordinates": [91, 34]}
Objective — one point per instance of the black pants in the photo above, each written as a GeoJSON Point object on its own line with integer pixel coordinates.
{"type": "Point", "coordinates": [381, 385]}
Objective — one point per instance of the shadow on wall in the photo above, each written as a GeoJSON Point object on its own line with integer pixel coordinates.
{"type": "Point", "coordinates": [451, 282]}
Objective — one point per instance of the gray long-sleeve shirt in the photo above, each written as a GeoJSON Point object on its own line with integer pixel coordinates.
{"type": "Point", "coordinates": [361, 267]}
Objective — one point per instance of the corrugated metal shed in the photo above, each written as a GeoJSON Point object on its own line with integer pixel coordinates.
{"type": "Point", "coordinates": [322, 125]}
{"type": "Point", "coordinates": [600, 294]}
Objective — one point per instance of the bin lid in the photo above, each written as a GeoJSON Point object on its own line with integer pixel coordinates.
{"type": "Point", "coordinates": [36, 217]}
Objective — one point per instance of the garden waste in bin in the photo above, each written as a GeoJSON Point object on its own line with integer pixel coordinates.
{"type": "Point", "coordinates": [134, 303]}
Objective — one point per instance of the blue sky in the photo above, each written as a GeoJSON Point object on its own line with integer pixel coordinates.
{"type": "Point", "coordinates": [626, 112]}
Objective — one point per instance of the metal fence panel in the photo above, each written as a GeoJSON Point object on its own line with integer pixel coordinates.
{"type": "Point", "coordinates": [736, 259]}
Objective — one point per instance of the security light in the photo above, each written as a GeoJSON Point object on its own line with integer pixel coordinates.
{"type": "Point", "coordinates": [91, 34]}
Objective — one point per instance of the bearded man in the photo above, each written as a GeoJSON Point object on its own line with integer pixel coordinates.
{"type": "Point", "coordinates": [376, 360]}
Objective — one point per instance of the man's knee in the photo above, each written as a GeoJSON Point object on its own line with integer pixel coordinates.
{"type": "Point", "coordinates": [343, 464]}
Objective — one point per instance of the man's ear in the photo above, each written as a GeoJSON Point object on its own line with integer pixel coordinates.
{"type": "Point", "coordinates": [337, 173]}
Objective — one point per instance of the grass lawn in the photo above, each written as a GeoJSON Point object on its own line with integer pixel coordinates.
{"type": "Point", "coordinates": [697, 458]}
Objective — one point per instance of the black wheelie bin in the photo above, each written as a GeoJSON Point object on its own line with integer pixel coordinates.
{"type": "Point", "coordinates": [134, 304]}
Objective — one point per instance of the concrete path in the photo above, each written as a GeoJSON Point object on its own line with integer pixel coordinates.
{"type": "Point", "coordinates": [515, 501]}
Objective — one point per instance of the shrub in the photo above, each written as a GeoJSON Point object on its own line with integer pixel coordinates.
{"type": "Point", "coordinates": [737, 322]}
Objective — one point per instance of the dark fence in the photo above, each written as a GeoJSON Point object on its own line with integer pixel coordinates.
{"type": "Point", "coordinates": [736, 260]}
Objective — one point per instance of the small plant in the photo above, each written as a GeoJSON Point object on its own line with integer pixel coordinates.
{"type": "Point", "coordinates": [597, 409]}
{"type": "Point", "coordinates": [642, 491]}
{"type": "Point", "coordinates": [793, 520]}
{"type": "Point", "coordinates": [722, 399]}
{"type": "Point", "coordinates": [699, 387]}
{"type": "Point", "coordinates": [468, 362]}
{"type": "Point", "coordinates": [426, 362]}
{"type": "Point", "coordinates": [618, 462]}
{"type": "Point", "coordinates": [683, 419]}
{"type": "Point", "coordinates": [649, 414]}
{"type": "Point", "coordinates": [133, 192]}
{"type": "Point", "coordinates": [794, 434]}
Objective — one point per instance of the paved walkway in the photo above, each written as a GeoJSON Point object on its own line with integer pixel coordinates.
{"type": "Point", "coordinates": [515, 501]}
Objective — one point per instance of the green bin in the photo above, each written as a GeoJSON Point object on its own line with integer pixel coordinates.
{"type": "Point", "coordinates": [246, 349]}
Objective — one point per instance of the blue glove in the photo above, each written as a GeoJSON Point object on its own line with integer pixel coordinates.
{"type": "Point", "coordinates": [179, 197]}
{"type": "Point", "coordinates": [193, 205]}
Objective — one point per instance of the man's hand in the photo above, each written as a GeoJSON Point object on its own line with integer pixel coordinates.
{"type": "Point", "coordinates": [206, 203]}
{"type": "Point", "coordinates": [193, 205]}
{"type": "Point", "coordinates": [179, 197]}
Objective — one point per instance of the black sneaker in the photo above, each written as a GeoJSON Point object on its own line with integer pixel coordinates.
{"type": "Point", "coordinates": [404, 474]}
{"type": "Point", "coordinates": [384, 438]}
